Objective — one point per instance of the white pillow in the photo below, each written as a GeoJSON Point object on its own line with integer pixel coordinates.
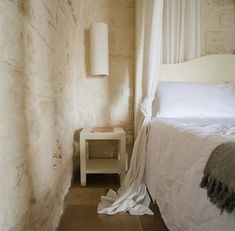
{"type": "Point", "coordinates": [176, 99]}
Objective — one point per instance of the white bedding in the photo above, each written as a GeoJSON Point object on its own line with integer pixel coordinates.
{"type": "Point", "coordinates": [177, 152]}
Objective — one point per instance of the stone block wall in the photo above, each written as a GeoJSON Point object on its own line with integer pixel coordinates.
{"type": "Point", "coordinates": [218, 27]}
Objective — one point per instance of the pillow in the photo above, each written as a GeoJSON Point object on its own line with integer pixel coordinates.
{"type": "Point", "coordinates": [180, 99]}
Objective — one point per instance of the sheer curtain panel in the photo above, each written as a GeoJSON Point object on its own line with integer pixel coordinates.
{"type": "Point", "coordinates": [181, 37]}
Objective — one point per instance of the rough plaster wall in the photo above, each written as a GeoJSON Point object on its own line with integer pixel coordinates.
{"type": "Point", "coordinates": [47, 93]}
{"type": "Point", "coordinates": [218, 25]}
{"type": "Point", "coordinates": [106, 101]}
{"type": "Point", "coordinates": [15, 183]}
{"type": "Point", "coordinates": [37, 110]}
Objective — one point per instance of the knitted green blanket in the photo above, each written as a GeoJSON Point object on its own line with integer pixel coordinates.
{"type": "Point", "coordinates": [219, 177]}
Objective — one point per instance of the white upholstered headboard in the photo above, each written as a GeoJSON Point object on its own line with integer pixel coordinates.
{"type": "Point", "coordinates": [206, 69]}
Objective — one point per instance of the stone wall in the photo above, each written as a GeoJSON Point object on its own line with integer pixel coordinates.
{"type": "Point", "coordinates": [46, 93]}
{"type": "Point", "coordinates": [37, 110]}
{"type": "Point", "coordinates": [218, 27]}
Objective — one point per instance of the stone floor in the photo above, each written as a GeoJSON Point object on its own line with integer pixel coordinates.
{"type": "Point", "coordinates": [81, 204]}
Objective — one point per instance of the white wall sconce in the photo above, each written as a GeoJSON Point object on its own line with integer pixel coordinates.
{"type": "Point", "coordinates": [99, 49]}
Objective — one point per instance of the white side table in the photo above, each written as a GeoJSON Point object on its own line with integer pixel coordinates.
{"type": "Point", "coordinates": [89, 166]}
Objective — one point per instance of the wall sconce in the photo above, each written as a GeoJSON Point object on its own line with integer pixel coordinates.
{"type": "Point", "coordinates": [99, 49]}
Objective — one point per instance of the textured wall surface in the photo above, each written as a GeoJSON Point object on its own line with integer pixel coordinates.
{"type": "Point", "coordinates": [37, 110]}
{"type": "Point", "coordinates": [218, 32]}
{"type": "Point", "coordinates": [46, 93]}
{"type": "Point", "coordinates": [106, 101]}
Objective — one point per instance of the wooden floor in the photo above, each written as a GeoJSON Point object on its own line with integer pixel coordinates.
{"type": "Point", "coordinates": [81, 204]}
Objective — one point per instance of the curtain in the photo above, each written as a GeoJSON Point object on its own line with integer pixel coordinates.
{"type": "Point", "coordinates": [177, 23]}
{"type": "Point", "coordinates": [181, 30]}
{"type": "Point", "coordinates": [133, 195]}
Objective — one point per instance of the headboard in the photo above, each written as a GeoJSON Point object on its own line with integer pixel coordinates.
{"type": "Point", "coordinates": [206, 69]}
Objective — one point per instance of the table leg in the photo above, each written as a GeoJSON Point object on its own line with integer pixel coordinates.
{"type": "Point", "coordinates": [122, 158]}
{"type": "Point", "coordinates": [83, 160]}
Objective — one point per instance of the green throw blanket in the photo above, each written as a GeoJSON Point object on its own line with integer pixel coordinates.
{"type": "Point", "coordinates": [219, 177]}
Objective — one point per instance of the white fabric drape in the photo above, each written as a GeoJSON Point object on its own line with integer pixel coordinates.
{"type": "Point", "coordinates": [133, 196]}
{"type": "Point", "coordinates": [181, 30]}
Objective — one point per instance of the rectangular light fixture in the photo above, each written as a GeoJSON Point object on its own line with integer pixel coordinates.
{"type": "Point", "coordinates": [99, 52]}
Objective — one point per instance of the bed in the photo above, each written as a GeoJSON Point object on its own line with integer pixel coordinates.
{"type": "Point", "coordinates": [179, 145]}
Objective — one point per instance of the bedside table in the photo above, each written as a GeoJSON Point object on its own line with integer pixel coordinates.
{"type": "Point", "coordinates": [89, 166]}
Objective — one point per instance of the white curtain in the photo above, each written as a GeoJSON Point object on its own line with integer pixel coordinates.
{"type": "Point", "coordinates": [133, 196]}
{"type": "Point", "coordinates": [181, 30]}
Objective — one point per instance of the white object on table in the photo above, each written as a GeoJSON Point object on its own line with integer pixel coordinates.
{"type": "Point", "coordinates": [89, 166]}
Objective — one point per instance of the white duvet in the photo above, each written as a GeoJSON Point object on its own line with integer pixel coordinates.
{"type": "Point", "coordinates": [177, 152]}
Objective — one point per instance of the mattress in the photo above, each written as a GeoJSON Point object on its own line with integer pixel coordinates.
{"type": "Point", "coordinates": [177, 151]}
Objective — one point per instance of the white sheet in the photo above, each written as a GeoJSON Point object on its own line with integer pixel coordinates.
{"type": "Point", "coordinates": [177, 152]}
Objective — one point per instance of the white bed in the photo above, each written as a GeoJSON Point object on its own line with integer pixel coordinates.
{"type": "Point", "coordinates": [178, 148]}
{"type": "Point", "coordinates": [176, 156]}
